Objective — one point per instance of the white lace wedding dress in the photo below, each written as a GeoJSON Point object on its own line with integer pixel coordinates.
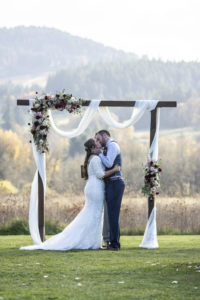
{"type": "Point", "coordinates": [85, 231]}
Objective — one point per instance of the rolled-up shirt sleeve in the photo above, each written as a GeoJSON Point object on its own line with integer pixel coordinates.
{"type": "Point", "coordinates": [112, 151]}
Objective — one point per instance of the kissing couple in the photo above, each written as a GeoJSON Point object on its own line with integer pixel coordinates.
{"type": "Point", "coordinates": [103, 193]}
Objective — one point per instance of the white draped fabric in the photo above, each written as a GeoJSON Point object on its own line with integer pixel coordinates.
{"type": "Point", "coordinates": [41, 166]}
{"type": "Point", "coordinates": [138, 111]}
{"type": "Point", "coordinates": [153, 151]}
{"type": "Point", "coordinates": [84, 123]}
{"type": "Point", "coordinates": [33, 207]}
{"type": "Point", "coordinates": [150, 236]}
{"type": "Point", "coordinates": [150, 240]}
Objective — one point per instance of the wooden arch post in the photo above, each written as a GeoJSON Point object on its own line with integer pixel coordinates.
{"type": "Point", "coordinates": [152, 134]}
{"type": "Point", "coordinates": [109, 103]}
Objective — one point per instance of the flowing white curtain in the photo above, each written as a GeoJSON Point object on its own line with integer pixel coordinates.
{"type": "Point", "coordinates": [153, 151]}
{"type": "Point", "coordinates": [33, 207]}
{"type": "Point", "coordinates": [150, 240]}
{"type": "Point", "coordinates": [137, 112]}
{"type": "Point", "coordinates": [150, 236]}
{"type": "Point", "coordinates": [41, 167]}
{"type": "Point", "coordinates": [84, 123]}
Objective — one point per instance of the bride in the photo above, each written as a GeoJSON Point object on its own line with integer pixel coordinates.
{"type": "Point", "coordinates": [84, 232]}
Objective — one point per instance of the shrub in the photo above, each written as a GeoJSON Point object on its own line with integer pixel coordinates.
{"type": "Point", "coordinates": [15, 227]}
{"type": "Point", "coordinates": [52, 228]}
{"type": "Point", "coordinates": [19, 226]}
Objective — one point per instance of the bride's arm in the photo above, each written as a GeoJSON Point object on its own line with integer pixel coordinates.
{"type": "Point", "coordinates": [113, 170]}
{"type": "Point", "coordinates": [99, 170]}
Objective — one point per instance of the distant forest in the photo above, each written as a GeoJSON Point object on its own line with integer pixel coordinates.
{"type": "Point", "coordinates": [34, 50]}
{"type": "Point", "coordinates": [89, 70]}
{"type": "Point", "coordinates": [129, 81]}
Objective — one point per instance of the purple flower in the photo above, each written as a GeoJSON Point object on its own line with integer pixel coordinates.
{"type": "Point", "coordinates": [62, 104]}
{"type": "Point", "coordinates": [36, 123]}
{"type": "Point", "coordinates": [57, 105]}
{"type": "Point", "coordinates": [33, 131]}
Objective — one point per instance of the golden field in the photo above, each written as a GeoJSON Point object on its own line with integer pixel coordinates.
{"type": "Point", "coordinates": [174, 215]}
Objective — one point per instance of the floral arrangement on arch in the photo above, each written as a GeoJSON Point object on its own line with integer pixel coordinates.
{"type": "Point", "coordinates": [40, 119]}
{"type": "Point", "coordinates": [151, 179]}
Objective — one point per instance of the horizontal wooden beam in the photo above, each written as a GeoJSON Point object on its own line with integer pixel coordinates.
{"type": "Point", "coordinates": [114, 103]}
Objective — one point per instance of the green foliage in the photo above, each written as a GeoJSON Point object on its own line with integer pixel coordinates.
{"type": "Point", "coordinates": [19, 226]}
{"type": "Point", "coordinates": [131, 273]}
{"type": "Point", "coordinates": [15, 227]}
{"type": "Point", "coordinates": [52, 228]}
{"type": "Point", "coordinates": [136, 79]}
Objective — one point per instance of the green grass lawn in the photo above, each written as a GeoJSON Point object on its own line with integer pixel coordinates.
{"type": "Point", "coordinates": [131, 273]}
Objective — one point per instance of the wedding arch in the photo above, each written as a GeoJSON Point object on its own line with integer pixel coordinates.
{"type": "Point", "coordinates": [64, 101]}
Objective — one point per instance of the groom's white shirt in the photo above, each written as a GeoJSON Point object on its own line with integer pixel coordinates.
{"type": "Point", "coordinates": [112, 151]}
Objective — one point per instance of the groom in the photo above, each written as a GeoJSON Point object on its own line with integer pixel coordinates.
{"type": "Point", "coordinates": [114, 185]}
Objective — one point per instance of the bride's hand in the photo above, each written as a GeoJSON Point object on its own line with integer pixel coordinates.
{"type": "Point", "coordinates": [117, 168]}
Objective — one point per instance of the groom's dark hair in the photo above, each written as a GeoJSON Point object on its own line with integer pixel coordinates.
{"type": "Point", "coordinates": [101, 132]}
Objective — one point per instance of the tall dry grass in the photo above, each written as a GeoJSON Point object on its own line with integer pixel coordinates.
{"type": "Point", "coordinates": [174, 215]}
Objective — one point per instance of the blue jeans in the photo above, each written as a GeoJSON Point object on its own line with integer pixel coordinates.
{"type": "Point", "coordinates": [114, 192]}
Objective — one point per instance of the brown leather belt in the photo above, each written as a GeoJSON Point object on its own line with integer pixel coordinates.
{"type": "Point", "coordinates": [106, 180]}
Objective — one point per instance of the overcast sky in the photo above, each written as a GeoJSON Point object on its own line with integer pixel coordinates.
{"type": "Point", "coordinates": [165, 29]}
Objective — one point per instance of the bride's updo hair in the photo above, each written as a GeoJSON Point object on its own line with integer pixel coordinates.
{"type": "Point", "coordinates": [89, 145]}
